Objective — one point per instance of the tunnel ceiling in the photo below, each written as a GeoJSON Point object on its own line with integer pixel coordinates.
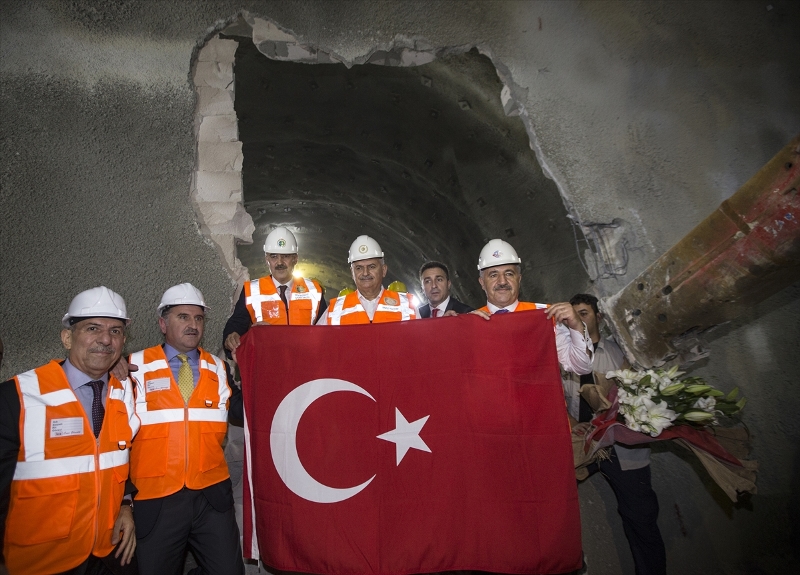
{"type": "Point", "coordinates": [421, 158]}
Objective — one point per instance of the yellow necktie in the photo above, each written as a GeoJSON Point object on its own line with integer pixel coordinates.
{"type": "Point", "coordinates": [185, 377]}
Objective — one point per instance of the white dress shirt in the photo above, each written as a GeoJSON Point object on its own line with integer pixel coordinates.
{"type": "Point", "coordinates": [369, 305]}
{"type": "Point", "coordinates": [442, 307]}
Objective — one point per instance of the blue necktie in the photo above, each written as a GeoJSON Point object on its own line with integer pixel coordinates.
{"type": "Point", "coordinates": [501, 311]}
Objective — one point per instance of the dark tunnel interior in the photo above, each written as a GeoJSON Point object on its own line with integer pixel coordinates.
{"type": "Point", "coordinates": [421, 158]}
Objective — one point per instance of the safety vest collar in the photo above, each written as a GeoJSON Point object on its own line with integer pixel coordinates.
{"type": "Point", "coordinates": [156, 376]}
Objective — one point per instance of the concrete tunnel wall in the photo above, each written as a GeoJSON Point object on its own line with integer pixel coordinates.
{"type": "Point", "coordinates": [646, 115]}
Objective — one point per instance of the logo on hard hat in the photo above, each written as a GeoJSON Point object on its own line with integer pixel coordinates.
{"type": "Point", "coordinates": [282, 243]}
{"type": "Point", "coordinates": [363, 249]}
{"type": "Point", "coordinates": [497, 254]}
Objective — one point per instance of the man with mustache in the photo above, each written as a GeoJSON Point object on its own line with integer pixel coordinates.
{"type": "Point", "coordinates": [500, 275]}
{"type": "Point", "coordinates": [277, 299]}
{"type": "Point", "coordinates": [183, 399]}
{"type": "Point", "coordinates": [435, 280]}
{"type": "Point", "coordinates": [370, 303]}
{"type": "Point", "coordinates": [65, 433]}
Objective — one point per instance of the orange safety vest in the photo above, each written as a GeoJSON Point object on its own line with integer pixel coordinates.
{"type": "Point", "coordinates": [522, 306]}
{"type": "Point", "coordinates": [67, 485]}
{"type": "Point", "coordinates": [392, 306]}
{"type": "Point", "coordinates": [264, 302]}
{"type": "Point", "coordinates": [179, 443]}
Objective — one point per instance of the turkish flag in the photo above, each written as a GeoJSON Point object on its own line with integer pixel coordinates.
{"type": "Point", "coordinates": [408, 447]}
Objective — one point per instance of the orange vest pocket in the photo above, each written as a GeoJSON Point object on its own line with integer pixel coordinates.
{"type": "Point", "coordinates": [149, 451]}
{"type": "Point", "coordinates": [212, 435]}
{"type": "Point", "coordinates": [42, 510]}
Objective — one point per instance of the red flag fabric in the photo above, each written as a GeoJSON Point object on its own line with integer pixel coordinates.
{"type": "Point", "coordinates": [408, 447]}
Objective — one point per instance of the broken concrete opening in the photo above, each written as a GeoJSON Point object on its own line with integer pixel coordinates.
{"type": "Point", "coordinates": [412, 148]}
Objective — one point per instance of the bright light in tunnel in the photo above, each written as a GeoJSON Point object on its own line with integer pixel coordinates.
{"type": "Point", "coordinates": [297, 273]}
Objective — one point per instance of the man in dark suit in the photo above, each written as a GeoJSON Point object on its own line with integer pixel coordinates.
{"type": "Point", "coordinates": [435, 280]}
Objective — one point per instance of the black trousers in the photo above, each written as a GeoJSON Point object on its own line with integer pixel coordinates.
{"type": "Point", "coordinates": [188, 521]}
{"type": "Point", "coordinates": [108, 565]}
{"type": "Point", "coordinates": [637, 504]}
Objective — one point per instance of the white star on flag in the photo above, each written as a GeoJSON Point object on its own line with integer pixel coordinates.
{"type": "Point", "coordinates": [405, 435]}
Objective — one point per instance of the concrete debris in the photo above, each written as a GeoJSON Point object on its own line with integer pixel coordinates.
{"type": "Point", "coordinates": [218, 129]}
{"type": "Point", "coordinates": [217, 182]}
{"type": "Point", "coordinates": [213, 74]}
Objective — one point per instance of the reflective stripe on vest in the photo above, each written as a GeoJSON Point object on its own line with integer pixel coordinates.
{"type": "Point", "coordinates": [401, 310]}
{"type": "Point", "coordinates": [522, 306]}
{"type": "Point", "coordinates": [34, 465]}
{"type": "Point", "coordinates": [404, 308]}
{"type": "Point", "coordinates": [180, 444]}
{"type": "Point", "coordinates": [67, 485]}
{"type": "Point", "coordinates": [170, 415]}
{"type": "Point", "coordinates": [256, 297]}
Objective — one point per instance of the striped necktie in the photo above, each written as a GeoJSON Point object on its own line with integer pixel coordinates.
{"type": "Point", "coordinates": [185, 377]}
{"type": "Point", "coordinates": [98, 411]}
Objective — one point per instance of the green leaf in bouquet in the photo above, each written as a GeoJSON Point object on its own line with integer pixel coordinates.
{"type": "Point", "coordinates": [714, 393]}
{"type": "Point", "coordinates": [733, 394]}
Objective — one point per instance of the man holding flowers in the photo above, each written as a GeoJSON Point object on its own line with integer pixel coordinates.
{"type": "Point", "coordinates": [626, 469]}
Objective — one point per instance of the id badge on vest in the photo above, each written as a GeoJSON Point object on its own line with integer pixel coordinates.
{"type": "Point", "coordinates": [66, 426]}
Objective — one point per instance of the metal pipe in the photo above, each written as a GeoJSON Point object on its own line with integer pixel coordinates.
{"type": "Point", "coordinates": [747, 250]}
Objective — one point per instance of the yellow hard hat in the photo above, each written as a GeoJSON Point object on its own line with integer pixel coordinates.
{"type": "Point", "coordinates": [398, 286]}
{"type": "Point", "coordinates": [346, 291]}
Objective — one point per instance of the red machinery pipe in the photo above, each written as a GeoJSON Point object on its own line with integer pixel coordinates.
{"type": "Point", "coordinates": [745, 251]}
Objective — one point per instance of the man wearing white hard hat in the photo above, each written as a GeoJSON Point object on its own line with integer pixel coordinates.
{"type": "Point", "coordinates": [500, 274]}
{"type": "Point", "coordinates": [278, 299]}
{"type": "Point", "coordinates": [183, 399]}
{"type": "Point", "coordinates": [370, 303]}
{"type": "Point", "coordinates": [65, 434]}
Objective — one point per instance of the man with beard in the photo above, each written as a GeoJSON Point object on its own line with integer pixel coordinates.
{"type": "Point", "coordinates": [277, 299]}
{"type": "Point", "coordinates": [435, 280]}
{"type": "Point", "coordinates": [370, 303]}
{"type": "Point", "coordinates": [65, 434]}
{"type": "Point", "coordinates": [500, 275]}
{"type": "Point", "coordinates": [183, 399]}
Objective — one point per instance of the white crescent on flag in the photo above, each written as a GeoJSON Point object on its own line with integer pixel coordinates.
{"type": "Point", "coordinates": [283, 440]}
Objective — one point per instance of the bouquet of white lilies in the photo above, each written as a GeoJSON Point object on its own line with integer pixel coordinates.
{"type": "Point", "coordinates": [653, 400]}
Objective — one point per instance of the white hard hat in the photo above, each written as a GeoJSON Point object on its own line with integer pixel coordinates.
{"type": "Point", "coordinates": [497, 253]}
{"type": "Point", "coordinates": [280, 241]}
{"type": "Point", "coordinates": [364, 248]}
{"type": "Point", "coordinates": [182, 294]}
{"type": "Point", "coordinates": [96, 302]}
